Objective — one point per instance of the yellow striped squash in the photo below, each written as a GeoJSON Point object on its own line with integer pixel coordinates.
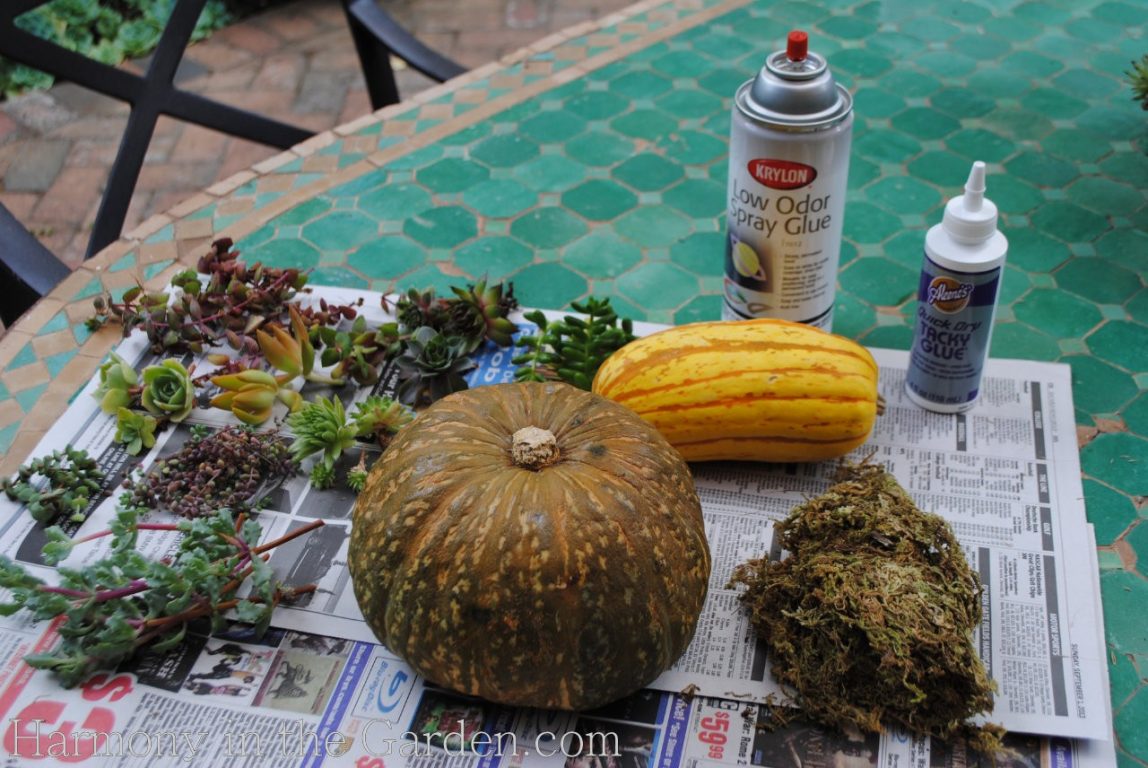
{"type": "Point", "coordinates": [756, 390]}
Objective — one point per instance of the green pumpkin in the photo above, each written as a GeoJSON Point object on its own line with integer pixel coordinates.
{"type": "Point", "coordinates": [531, 544]}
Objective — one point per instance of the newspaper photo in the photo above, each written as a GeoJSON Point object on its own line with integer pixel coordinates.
{"type": "Point", "coordinates": [318, 690]}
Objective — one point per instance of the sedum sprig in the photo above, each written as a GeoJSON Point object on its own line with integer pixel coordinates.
{"type": "Point", "coordinates": [573, 349]}
{"type": "Point", "coordinates": [118, 384]}
{"type": "Point", "coordinates": [136, 430]}
{"type": "Point", "coordinates": [58, 484]}
{"type": "Point", "coordinates": [125, 601]}
{"type": "Point", "coordinates": [236, 301]}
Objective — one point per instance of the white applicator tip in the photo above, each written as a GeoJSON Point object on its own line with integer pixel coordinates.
{"type": "Point", "coordinates": [975, 187]}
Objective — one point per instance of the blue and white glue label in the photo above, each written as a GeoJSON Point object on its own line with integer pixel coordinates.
{"type": "Point", "coordinates": [951, 339]}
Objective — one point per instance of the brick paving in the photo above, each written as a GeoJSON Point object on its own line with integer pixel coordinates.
{"type": "Point", "coordinates": [294, 61]}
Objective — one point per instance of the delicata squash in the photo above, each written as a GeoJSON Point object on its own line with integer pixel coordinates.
{"type": "Point", "coordinates": [755, 390]}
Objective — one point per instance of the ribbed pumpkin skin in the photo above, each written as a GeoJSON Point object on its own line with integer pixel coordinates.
{"type": "Point", "coordinates": [755, 390]}
{"type": "Point", "coordinates": [565, 587]}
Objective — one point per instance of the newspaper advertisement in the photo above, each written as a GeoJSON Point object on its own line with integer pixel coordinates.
{"type": "Point", "coordinates": [317, 689]}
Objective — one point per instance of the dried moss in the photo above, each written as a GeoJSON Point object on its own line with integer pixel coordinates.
{"type": "Point", "coordinates": [871, 618]}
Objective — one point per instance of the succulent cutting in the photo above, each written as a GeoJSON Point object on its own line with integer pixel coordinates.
{"type": "Point", "coordinates": [125, 601]}
{"type": "Point", "coordinates": [431, 366]}
{"type": "Point", "coordinates": [233, 468]}
{"type": "Point", "coordinates": [573, 348]}
{"type": "Point", "coordinates": [60, 484]}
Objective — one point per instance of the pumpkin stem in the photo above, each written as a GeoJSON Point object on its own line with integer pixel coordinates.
{"type": "Point", "coordinates": [534, 448]}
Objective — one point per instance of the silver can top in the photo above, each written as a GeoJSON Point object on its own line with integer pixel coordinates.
{"type": "Point", "coordinates": [795, 90]}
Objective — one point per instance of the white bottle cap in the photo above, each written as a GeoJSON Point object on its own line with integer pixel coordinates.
{"type": "Point", "coordinates": [970, 218]}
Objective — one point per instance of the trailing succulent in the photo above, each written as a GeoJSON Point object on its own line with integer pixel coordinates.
{"type": "Point", "coordinates": [60, 484]}
{"type": "Point", "coordinates": [124, 601]}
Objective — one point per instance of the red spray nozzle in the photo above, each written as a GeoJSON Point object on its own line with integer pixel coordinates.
{"type": "Point", "coordinates": [797, 46]}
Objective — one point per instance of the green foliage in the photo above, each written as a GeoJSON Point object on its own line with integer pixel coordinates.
{"type": "Point", "coordinates": [108, 32]}
{"type": "Point", "coordinates": [321, 426]}
{"type": "Point", "coordinates": [61, 483]}
{"type": "Point", "coordinates": [357, 477]}
{"type": "Point", "coordinates": [136, 430]}
{"type": "Point", "coordinates": [573, 349]}
{"type": "Point", "coordinates": [1138, 78]}
{"type": "Point", "coordinates": [382, 417]}
{"type": "Point", "coordinates": [120, 603]}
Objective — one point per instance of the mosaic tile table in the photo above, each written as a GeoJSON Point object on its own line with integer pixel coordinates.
{"type": "Point", "coordinates": [595, 162]}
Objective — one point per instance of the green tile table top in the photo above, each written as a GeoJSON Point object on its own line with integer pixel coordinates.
{"type": "Point", "coordinates": [595, 162]}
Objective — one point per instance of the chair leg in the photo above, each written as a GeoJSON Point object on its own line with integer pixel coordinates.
{"type": "Point", "coordinates": [377, 36]}
{"type": "Point", "coordinates": [125, 172]}
{"type": "Point", "coordinates": [375, 59]}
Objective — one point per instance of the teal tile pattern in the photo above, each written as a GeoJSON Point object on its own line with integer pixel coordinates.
{"type": "Point", "coordinates": [613, 184]}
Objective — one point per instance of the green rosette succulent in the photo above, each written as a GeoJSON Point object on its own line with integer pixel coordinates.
{"type": "Point", "coordinates": [321, 426]}
{"type": "Point", "coordinates": [381, 417]}
{"type": "Point", "coordinates": [168, 390]}
{"type": "Point", "coordinates": [135, 430]}
{"type": "Point", "coordinates": [117, 379]}
{"type": "Point", "coordinates": [432, 365]}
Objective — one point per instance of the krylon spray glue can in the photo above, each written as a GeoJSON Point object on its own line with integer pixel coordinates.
{"type": "Point", "coordinates": [788, 165]}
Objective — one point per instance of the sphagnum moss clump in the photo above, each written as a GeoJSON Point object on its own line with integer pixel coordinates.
{"type": "Point", "coordinates": [870, 619]}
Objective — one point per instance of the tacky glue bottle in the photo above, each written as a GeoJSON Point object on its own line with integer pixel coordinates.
{"type": "Point", "coordinates": [956, 301]}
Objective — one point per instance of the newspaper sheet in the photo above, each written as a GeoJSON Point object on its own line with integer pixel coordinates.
{"type": "Point", "coordinates": [318, 690]}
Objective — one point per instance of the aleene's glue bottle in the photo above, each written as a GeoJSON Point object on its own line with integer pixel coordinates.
{"type": "Point", "coordinates": [956, 301]}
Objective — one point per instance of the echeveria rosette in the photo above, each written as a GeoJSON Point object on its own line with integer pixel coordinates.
{"type": "Point", "coordinates": [168, 391]}
{"type": "Point", "coordinates": [135, 430]}
{"type": "Point", "coordinates": [117, 379]}
{"type": "Point", "coordinates": [432, 365]}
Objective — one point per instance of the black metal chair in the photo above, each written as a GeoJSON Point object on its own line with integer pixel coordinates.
{"type": "Point", "coordinates": [30, 270]}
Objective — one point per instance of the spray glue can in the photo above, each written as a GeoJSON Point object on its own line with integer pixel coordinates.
{"type": "Point", "coordinates": [788, 164]}
{"type": "Point", "coordinates": [956, 300]}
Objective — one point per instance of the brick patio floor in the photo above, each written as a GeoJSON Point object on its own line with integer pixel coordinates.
{"type": "Point", "coordinates": [294, 61]}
